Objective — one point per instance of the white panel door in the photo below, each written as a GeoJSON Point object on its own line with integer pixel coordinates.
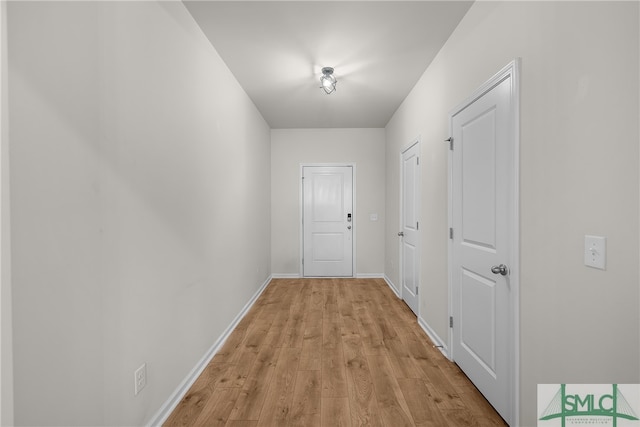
{"type": "Point", "coordinates": [482, 218]}
{"type": "Point", "coordinates": [410, 238]}
{"type": "Point", "coordinates": [328, 221]}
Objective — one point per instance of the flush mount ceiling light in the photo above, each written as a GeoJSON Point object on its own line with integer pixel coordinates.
{"type": "Point", "coordinates": [328, 80]}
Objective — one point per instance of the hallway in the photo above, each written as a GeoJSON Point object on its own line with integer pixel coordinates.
{"type": "Point", "coordinates": [331, 352]}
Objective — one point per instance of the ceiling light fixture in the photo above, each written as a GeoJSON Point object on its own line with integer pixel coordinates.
{"type": "Point", "coordinates": [328, 80]}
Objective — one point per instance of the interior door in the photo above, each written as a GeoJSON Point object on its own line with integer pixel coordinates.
{"type": "Point", "coordinates": [409, 234]}
{"type": "Point", "coordinates": [483, 219]}
{"type": "Point", "coordinates": [328, 221]}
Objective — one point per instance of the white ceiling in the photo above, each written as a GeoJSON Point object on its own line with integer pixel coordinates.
{"type": "Point", "coordinates": [276, 49]}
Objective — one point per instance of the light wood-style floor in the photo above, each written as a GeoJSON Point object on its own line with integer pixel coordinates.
{"type": "Point", "coordinates": [331, 352]}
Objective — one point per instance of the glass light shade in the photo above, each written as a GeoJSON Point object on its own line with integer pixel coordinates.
{"type": "Point", "coordinates": [327, 80]}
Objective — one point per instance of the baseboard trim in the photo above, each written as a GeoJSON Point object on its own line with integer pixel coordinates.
{"type": "Point", "coordinates": [285, 276]}
{"type": "Point", "coordinates": [297, 276]}
{"type": "Point", "coordinates": [392, 286]}
{"type": "Point", "coordinates": [438, 343]}
{"type": "Point", "coordinates": [167, 408]}
{"type": "Point", "coordinates": [370, 275]}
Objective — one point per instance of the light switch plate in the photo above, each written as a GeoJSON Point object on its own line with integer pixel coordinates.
{"type": "Point", "coordinates": [595, 251]}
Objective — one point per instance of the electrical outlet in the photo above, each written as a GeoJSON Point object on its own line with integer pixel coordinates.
{"type": "Point", "coordinates": [140, 378]}
{"type": "Point", "coordinates": [595, 251]}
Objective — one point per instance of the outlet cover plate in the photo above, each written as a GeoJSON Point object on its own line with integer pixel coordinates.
{"type": "Point", "coordinates": [595, 251]}
{"type": "Point", "coordinates": [140, 378]}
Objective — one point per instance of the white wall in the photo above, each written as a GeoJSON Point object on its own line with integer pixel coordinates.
{"type": "Point", "coordinates": [292, 147]}
{"type": "Point", "coordinates": [129, 243]}
{"type": "Point", "coordinates": [55, 209]}
{"type": "Point", "coordinates": [579, 175]}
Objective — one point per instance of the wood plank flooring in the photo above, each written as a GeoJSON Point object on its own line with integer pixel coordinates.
{"type": "Point", "coordinates": [331, 352]}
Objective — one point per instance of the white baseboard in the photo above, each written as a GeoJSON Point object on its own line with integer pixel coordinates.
{"type": "Point", "coordinates": [297, 276]}
{"type": "Point", "coordinates": [167, 408]}
{"type": "Point", "coordinates": [392, 286]}
{"type": "Point", "coordinates": [440, 345]}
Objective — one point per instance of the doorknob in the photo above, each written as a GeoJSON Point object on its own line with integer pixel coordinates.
{"type": "Point", "coordinates": [348, 227]}
{"type": "Point", "coordinates": [401, 233]}
{"type": "Point", "coordinates": [500, 269]}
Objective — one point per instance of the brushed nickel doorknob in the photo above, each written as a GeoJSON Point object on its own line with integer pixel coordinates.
{"type": "Point", "coordinates": [500, 269]}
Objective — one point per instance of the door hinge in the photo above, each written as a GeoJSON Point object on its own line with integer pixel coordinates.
{"type": "Point", "coordinates": [417, 160]}
{"type": "Point", "coordinates": [451, 233]}
{"type": "Point", "coordinates": [417, 225]}
{"type": "Point", "coordinates": [450, 141]}
{"type": "Point", "coordinates": [451, 321]}
{"type": "Point", "coordinates": [416, 290]}
{"type": "Point", "coordinates": [302, 261]}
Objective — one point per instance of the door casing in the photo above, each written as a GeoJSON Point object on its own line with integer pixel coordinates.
{"type": "Point", "coordinates": [512, 70]}
{"type": "Point", "coordinates": [301, 212]}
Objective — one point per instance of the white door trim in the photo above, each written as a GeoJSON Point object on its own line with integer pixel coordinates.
{"type": "Point", "coordinates": [6, 340]}
{"type": "Point", "coordinates": [416, 141]}
{"type": "Point", "coordinates": [301, 213]}
{"type": "Point", "coordinates": [512, 70]}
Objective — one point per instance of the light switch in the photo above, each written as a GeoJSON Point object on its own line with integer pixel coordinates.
{"type": "Point", "coordinates": [373, 217]}
{"type": "Point", "coordinates": [595, 251]}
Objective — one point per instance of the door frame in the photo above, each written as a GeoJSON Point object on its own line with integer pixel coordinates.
{"type": "Point", "coordinates": [6, 334]}
{"type": "Point", "coordinates": [301, 213]}
{"type": "Point", "coordinates": [415, 141]}
{"type": "Point", "coordinates": [510, 70]}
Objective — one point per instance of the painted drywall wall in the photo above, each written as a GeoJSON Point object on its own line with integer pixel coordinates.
{"type": "Point", "coordinates": [55, 209]}
{"type": "Point", "coordinates": [292, 147]}
{"type": "Point", "coordinates": [578, 175]}
{"type": "Point", "coordinates": [141, 199]}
